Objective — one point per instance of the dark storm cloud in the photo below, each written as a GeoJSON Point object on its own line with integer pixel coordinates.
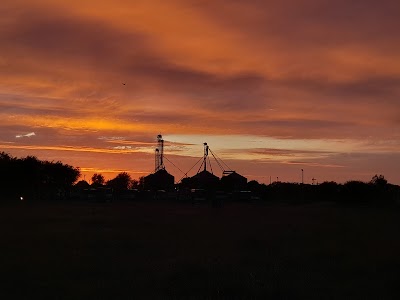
{"type": "Point", "coordinates": [59, 36]}
{"type": "Point", "coordinates": [306, 124]}
{"type": "Point", "coordinates": [188, 78]}
{"type": "Point", "coordinates": [385, 88]}
{"type": "Point", "coordinates": [133, 55]}
{"type": "Point", "coordinates": [158, 117]}
{"type": "Point", "coordinates": [228, 92]}
{"type": "Point", "coordinates": [63, 38]}
{"type": "Point", "coordinates": [21, 109]}
{"type": "Point", "coordinates": [304, 128]}
{"type": "Point", "coordinates": [311, 22]}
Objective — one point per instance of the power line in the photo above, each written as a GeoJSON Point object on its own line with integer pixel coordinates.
{"type": "Point", "coordinates": [217, 159]}
{"type": "Point", "coordinates": [192, 168]}
{"type": "Point", "coordinates": [220, 166]}
{"type": "Point", "coordinates": [209, 162]}
{"type": "Point", "coordinates": [173, 164]}
{"type": "Point", "coordinates": [198, 171]}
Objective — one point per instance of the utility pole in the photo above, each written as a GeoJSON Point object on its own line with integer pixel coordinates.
{"type": "Point", "coordinates": [302, 176]}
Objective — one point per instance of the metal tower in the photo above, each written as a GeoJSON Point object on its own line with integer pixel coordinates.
{"type": "Point", "coordinates": [205, 156]}
{"type": "Point", "coordinates": [159, 160]}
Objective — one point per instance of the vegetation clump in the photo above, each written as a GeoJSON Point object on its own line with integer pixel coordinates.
{"type": "Point", "coordinates": [32, 178]}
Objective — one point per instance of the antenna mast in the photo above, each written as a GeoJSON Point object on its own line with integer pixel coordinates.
{"type": "Point", "coordinates": [157, 160]}
{"type": "Point", "coordinates": [205, 156]}
{"type": "Point", "coordinates": [160, 153]}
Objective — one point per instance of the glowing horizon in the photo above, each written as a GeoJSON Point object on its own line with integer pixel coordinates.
{"type": "Point", "coordinates": [272, 87]}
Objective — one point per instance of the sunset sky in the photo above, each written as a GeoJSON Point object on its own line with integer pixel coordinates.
{"type": "Point", "coordinates": [272, 86]}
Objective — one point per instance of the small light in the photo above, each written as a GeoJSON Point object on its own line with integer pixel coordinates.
{"type": "Point", "coordinates": [22, 198]}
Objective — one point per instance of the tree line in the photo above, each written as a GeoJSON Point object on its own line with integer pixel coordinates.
{"type": "Point", "coordinates": [377, 191]}
{"type": "Point", "coordinates": [47, 180]}
{"type": "Point", "coordinates": [123, 181]}
{"type": "Point", "coordinates": [36, 179]}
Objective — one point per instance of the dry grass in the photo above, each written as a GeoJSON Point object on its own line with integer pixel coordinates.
{"type": "Point", "coordinates": [177, 251]}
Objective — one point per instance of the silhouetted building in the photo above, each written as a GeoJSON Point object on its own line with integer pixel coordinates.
{"type": "Point", "coordinates": [203, 180]}
{"type": "Point", "coordinates": [234, 181]}
{"type": "Point", "coordinates": [160, 180]}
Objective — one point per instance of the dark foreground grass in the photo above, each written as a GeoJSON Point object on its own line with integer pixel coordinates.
{"type": "Point", "coordinates": [179, 251]}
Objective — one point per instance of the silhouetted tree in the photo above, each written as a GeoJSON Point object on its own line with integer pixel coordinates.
{"type": "Point", "coordinates": [257, 189]}
{"type": "Point", "coordinates": [59, 178]}
{"type": "Point", "coordinates": [383, 192]}
{"type": "Point", "coordinates": [138, 184]}
{"type": "Point", "coordinates": [122, 181]}
{"type": "Point", "coordinates": [35, 179]}
{"type": "Point", "coordinates": [98, 180]}
{"type": "Point", "coordinates": [253, 185]}
{"type": "Point", "coordinates": [328, 190]}
{"type": "Point", "coordinates": [31, 176]}
{"type": "Point", "coordinates": [379, 180]}
{"type": "Point", "coordinates": [9, 170]}
{"type": "Point", "coordinates": [355, 191]}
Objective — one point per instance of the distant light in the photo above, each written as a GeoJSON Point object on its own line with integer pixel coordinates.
{"type": "Point", "coordinates": [22, 198]}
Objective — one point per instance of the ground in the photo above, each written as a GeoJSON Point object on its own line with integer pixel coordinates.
{"type": "Point", "coordinates": [137, 250]}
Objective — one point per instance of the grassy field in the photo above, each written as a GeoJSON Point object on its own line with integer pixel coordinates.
{"type": "Point", "coordinates": [137, 250]}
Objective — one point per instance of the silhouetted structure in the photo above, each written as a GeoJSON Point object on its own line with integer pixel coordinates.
{"type": "Point", "coordinates": [159, 154]}
{"type": "Point", "coordinates": [31, 179]}
{"type": "Point", "coordinates": [160, 180]}
{"type": "Point", "coordinates": [233, 181]}
{"type": "Point", "coordinates": [208, 181]}
{"type": "Point", "coordinates": [202, 180]}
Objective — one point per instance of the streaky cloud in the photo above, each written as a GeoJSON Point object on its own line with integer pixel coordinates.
{"type": "Point", "coordinates": [30, 134]}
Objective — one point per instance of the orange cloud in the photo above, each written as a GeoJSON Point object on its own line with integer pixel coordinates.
{"type": "Point", "coordinates": [73, 71]}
